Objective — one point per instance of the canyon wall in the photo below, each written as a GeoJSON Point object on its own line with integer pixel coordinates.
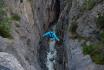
{"type": "Point", "coordinates": [27, 47]}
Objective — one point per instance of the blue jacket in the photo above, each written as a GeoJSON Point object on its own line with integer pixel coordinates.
{"type": "Point", "coordinates": [51, 35]}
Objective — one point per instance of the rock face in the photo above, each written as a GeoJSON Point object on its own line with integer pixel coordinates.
{"type": "Point", "coordinates": [25, 35]}
{"type": "Point", "coordinates": [86, 22]}
{"type": "Point", "coordinates": [9, 62]}
{"type": "Point", "coordinates": [28, 49]}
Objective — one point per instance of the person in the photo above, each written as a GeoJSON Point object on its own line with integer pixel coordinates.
{"type": "Point", "coordinates": [51, 35]}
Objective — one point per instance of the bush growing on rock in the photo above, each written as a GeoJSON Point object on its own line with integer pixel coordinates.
{"type": "Point", "coordinates": [88, 5]}
{"type": "Point", "coordinates": [88, 49]}
{"type": "Point", "coordinates": [4, 22]}
{"type": "Point", "coordinates": [96, 52]}
{"type": "Point", "coordinates": [98, 57]}
{"type": "Point", "coordinates": [5, 28]}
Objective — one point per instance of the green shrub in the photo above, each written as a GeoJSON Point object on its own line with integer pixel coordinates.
{"type": "Point", "coordinates": [100, 21]}
{"type": "Point", "coordinates": [4, 22]}
{"type": "Point", "coordinates": [98, 57]}
{"type": "Point", "coordinates": [16, 17]}
{"type": "Point", "coordinates": [96, 52]}
{"type": "Point", "coordinates": [88, 5]}
{"type": "Point", "coordinates": [88, 49]}
{"type": "Point", "coordinates": [5, 28]}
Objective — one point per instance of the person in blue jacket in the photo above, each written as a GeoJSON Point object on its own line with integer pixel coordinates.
{"type": "Point", "coordinates": [51, 35]}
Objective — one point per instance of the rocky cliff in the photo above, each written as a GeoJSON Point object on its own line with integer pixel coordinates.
{"type": "Point", "coordinates": [78, 23]}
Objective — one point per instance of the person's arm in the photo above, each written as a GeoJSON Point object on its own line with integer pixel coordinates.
{"type": "Point", "coordinates": [45, 34]}
{"type": "Point", "coordinates": [56, 37]}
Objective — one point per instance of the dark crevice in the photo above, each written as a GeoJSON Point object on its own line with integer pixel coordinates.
{"type": "Point", "coordinates": [21, 1]}
{"type": "Point", "coordinates": [56, 9]}
{"type": "Point", "coordinates": [61, 60]}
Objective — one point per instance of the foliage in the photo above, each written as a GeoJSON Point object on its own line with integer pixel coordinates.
{"type": "Point", "coordinates": [96, 52]}
{"type": "Point", "coordinates": [88, 5]}
{"type": "Point", "coordinates": [4, 22]}
{"type": "Point", "coordinates": [5, 28]}
{"type": "Point", "coordinates": [88, 49]}
{"type": "Point", "coordinates": [98, 57]}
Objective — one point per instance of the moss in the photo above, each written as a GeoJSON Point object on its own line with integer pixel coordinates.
{"type": "Point", "coordinates": [100, 21]}
{"type": "Point", "coordinates": [88, 5]}
{"type": "Point", "coordinates": [96, 52]}
{"type": "Point", "coordinates": [15, 17]}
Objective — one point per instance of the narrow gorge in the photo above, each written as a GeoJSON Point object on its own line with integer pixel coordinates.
{"type": "Point", "coordinates": [79, 24]}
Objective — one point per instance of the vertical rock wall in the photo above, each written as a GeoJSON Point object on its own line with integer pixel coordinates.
{"type": "Point", "coordinates": [37, 17]}
{"type": "Point", "coordinates": [25, 33]}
